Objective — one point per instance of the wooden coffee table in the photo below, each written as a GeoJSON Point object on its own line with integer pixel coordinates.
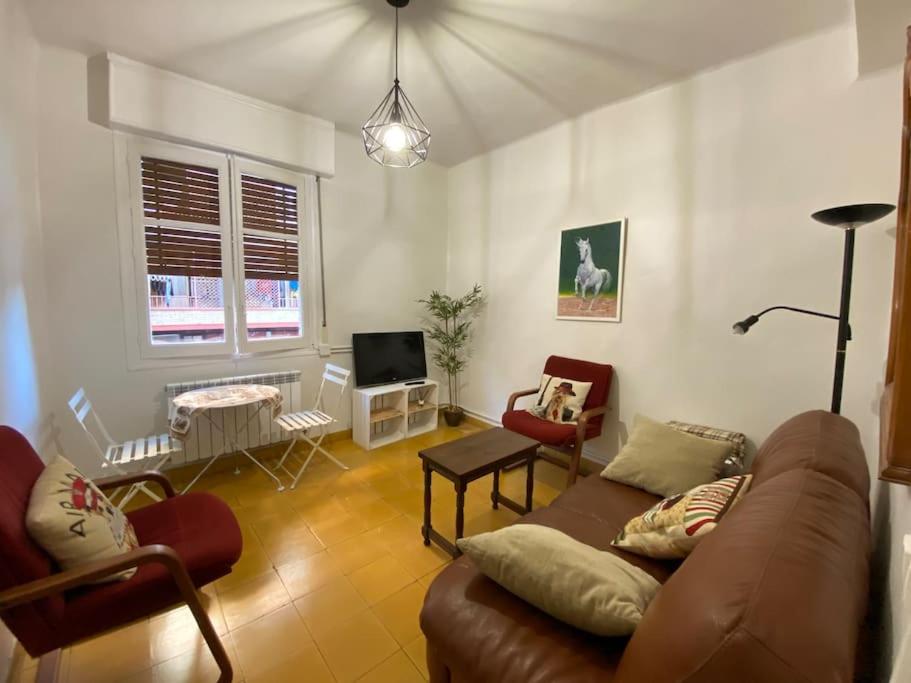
{"type": "Point", "coordinates": [464, 460]}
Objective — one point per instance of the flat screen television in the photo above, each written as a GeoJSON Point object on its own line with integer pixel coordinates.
{"type": "Point", "coordinates": [387, 357]}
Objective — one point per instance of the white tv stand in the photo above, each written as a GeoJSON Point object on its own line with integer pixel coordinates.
{"type": "Point", "coordinates": [390, 412]}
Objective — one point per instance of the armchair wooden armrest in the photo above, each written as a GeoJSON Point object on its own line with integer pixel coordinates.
{"type": "Point", "coordinates": [99, 569]}
{"type": "Point", "coordinates": [119, 480]}
{"type": "Point", "coordinates": [93, 571]}
{"type": "Point", "coordinates": [575, 459]}
{"type": "Point", "coordinates": [511, 403]}
{"type": "Point", "coordinates": [584, 417]}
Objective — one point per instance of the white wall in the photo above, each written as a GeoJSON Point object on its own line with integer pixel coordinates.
{"type": "Point", "coordinates": [23, 334]}
{"type": "Point", "coordinates": [718, 176]}
{"type": "Point", "coordinates": [384, 236]}
{"type": "Point", "coordinates": [881, 32]}
{"type": "Point", "coordinates": [22, 300]}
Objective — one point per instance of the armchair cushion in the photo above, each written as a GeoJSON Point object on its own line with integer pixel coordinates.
{"type": "Point", "coordinates": [560, 400]}
{"type": "Point", "coordinates": [599, 374]}
{"type": "Point", "coordinates": [21, 559]}
{"type": "Point", "coordinates": [202, 530]}
{"type": "Point", "coordinates": [74, 521]}
{"type": "Point", "coordinates": [539, 429]}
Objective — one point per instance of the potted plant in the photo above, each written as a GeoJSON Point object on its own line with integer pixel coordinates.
{"type": "Point", "coordinates": [449, 332]}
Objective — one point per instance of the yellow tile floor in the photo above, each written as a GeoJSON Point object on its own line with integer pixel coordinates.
{"type": "Point", "coordinates": [330, 583]}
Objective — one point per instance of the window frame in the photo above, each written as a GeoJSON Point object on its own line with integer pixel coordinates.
{"type": "Point", "coordinates": [306, 243]}
{"type": "Point", "coordinates": [141, 352]}
{"type": "Point", "coordinates": [147, 148]}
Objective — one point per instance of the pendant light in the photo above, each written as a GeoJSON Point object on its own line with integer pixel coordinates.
{"type": "Point", "coordinates": [395, 135]}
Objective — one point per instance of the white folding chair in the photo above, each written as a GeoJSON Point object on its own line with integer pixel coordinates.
{"type": "Point", "coordinates": [118, 456]}
{"type": "Point", "coordinates": [299, 424]}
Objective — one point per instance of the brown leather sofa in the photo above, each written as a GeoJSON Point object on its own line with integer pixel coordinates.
{"type": "Point", "coordinates": [776, 594]}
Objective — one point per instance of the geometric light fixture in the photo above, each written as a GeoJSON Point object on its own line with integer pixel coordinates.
{"type": "Point", "coordinates": [395, 135]}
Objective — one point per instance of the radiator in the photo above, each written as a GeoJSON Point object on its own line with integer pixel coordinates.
{"type": "Point", "coordinates": [205, 441]}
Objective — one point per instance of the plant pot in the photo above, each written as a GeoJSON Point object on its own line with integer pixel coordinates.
{"type": "Point", "coordinates": [453, 415]}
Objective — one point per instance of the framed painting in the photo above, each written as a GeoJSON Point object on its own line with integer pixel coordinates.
{"type": "Point", "coordinates": [590, 285]}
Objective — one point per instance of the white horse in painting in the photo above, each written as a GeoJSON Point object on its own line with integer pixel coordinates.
{"type": "Point", "coordinates": [588, 275]}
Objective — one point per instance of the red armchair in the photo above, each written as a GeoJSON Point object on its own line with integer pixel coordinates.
{"type": "Point", "coordinates": [567, 438]}
{"type": "Point", "coordinates": [185, 542]}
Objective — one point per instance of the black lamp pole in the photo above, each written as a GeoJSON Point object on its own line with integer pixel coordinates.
{"type": "Point", "coordinates": [848, 218]}
{"type": "Point", "coordinates": [844, 328]}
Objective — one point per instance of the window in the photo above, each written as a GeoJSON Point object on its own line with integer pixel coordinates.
{"type": "Point", "coordinates": [216, 276]}
{"type": "Point", "coordinates": [269, 244]}
{"type": "Point", "coordinates": [184, 257]}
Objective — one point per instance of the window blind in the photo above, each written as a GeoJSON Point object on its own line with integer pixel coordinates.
{"type": "Point", "coordinates": [269, 206]}
{"type": "Point", "coordinates": [170, 251]}
{"type": "Point", "coordinates": [174, 191]}
{"type": "Point", "coordinates": [180, 192]}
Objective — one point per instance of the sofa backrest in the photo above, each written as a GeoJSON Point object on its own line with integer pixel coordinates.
{"type": "Point", "coordinates": [817, 440]}
{"type": "Point", "coordinates": [21, 559]}
{"type": "Point", "coordinates": [779, 591]}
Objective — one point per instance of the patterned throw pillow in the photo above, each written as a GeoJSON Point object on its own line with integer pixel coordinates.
{"type": "Point", "coordinates": [74, 521]}
{"type": "Point", "coordinates": [560, 400]}
{"type": "Point", "coordinates": [673, 527]}
{"type": "Point", "coordinates": [733, 464]}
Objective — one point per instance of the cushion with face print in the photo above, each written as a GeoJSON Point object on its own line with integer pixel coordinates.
{"type": "Point", "coordinates": [560, 400]}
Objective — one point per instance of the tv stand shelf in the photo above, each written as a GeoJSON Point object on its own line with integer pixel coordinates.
{"type": "Point", "coordinates": [384, 414]}
{"type": "Point", "coordinates": [390, 412]}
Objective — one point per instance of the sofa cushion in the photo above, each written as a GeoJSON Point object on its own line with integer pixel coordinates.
{"type": "Point", "coordinates": [674, 526]}
{"type": "Point", "coordinates": [485, 633]}
{"type": "Point", "coordinates": [776, 593]}
{"type": "Point", "coordinates": [816, 440]}
{"type": "Point", "coordinates": [665, 461]}
{"type": "Point", "coordinates": [590, 589]}
{"type": "Point", "coordinates": [734, 463]}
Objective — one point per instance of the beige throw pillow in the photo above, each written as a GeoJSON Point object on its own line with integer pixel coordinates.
{"type": "Point", "coordinates": [560, 400]}
{"type": "Point", "coordinates": [590, 589]}
{"type": "Point", "coordinates": [665, 461]}
{"type": "Point", "coordinates": [673, 527]}
{"type": "Point", "coordinates": [74, 521]}
{"type": "Point", "coordinates": [734, 463]}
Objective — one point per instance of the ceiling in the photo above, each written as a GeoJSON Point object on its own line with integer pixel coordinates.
{"type": "Point", "coordinates": [480, 72]}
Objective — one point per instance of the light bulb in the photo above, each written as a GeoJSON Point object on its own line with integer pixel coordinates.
{"type": "Point", "coordinates": [394, 138]}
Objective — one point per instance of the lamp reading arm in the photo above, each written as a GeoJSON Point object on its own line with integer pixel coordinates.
{"type": "Point", "coordinates": [743, 326]}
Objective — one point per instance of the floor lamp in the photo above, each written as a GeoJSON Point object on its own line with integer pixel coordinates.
{"type": "Point", "coordinates": [847, 218]}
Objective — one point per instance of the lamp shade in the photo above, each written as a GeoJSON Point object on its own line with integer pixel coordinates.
{"type": "Point", "coordinates": [853, 215]}
{"type": "Point", "coordinates": [744, 325]}
{"type": "Point", "coordinates": [395, 135]}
